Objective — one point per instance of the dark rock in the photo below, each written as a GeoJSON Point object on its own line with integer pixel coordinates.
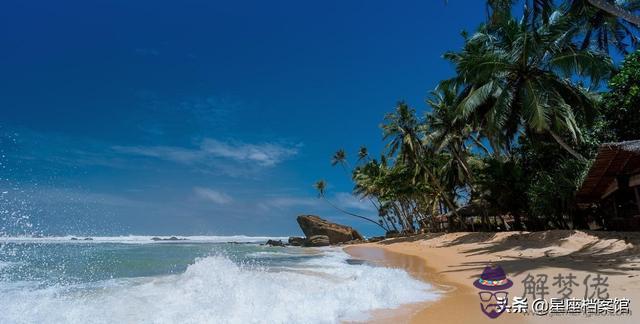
{"type": "Point", "coordinates": [274, 243]}
{"type": "Point", "coordinates": [173, 238]}
{"type": "Point", "coordinates": [352, 242]}
{"type": "Point", "coordinates": [313, 225]}
{"type": "Point", "coordinates": [296, 241]}
{"type": "Point", "coordinates": [88, 239]}
{"type": "Point", "coordinates": [376, 239]}
{"type": "Point", "coordinates": [317, 240]}
{"type": "Point", "coordinates": [74, 238]}
{"type": "Point", "coordinates": [391, 234]}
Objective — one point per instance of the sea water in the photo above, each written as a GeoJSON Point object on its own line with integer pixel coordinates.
{"type": "Point", "coordinates": [199, 280]}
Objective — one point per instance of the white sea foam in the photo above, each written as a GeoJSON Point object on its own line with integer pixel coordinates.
{"type": "Point", "coordinates": [138, 239]}
{"type": "Point", "coordinates": [216, 290]}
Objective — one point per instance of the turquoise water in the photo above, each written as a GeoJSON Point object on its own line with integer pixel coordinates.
{"type": "Point", "coordinates": [136, 280]}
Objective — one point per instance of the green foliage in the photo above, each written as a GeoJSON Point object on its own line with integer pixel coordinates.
{"type": "Point", "coordinates": [622, 102]}
{"type": "Point", "coordinates": [513, 131]}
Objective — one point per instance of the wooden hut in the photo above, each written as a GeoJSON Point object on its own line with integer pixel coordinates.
{"type": "Point", "coordinates": [612, 186]}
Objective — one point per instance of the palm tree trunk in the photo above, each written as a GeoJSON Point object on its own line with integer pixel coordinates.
{"type": "Point", "coordinates": [587, 40]}
{"type": "Point", "coordinates": [566, 146]}
{"type": "Point", "coordinates": [480, 144]}
{"type": "Point", "coordinates": [614, 10]}
{"type": "Point", "coordinates": [352, 214]}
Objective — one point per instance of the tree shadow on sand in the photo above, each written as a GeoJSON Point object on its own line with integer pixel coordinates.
{"type": "Point", "coordinates": [593, 257]}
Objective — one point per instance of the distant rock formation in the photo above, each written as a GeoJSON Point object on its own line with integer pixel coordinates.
{"type": "Point", "coordinates": [317, 240]}
{"type": "Point", "coordinates": [274, 243]}
{"type": "Point", "coordinates": [296, 241]}
{"type": "Point", "coordinates": [173, 238]}
{"type": "Point", "coordinates": [313, 225]}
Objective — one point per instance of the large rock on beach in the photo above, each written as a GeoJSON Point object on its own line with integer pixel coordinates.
{"type": "Point", "coordinates": [313, 225]}
{"type": "Point", "coordinates": [317, 240]}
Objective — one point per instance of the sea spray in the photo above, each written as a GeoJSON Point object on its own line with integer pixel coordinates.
{"type": "Point", "coordinates": [212, 283]}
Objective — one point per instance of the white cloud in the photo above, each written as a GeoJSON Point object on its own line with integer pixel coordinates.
{"type": "Point", "coordinates": [211, 195]}
{"type": "Point", "coordinates": [169, 153]}
{"type": "Point", "coordinates": [264, 154]}
{"type": "Point", "coordinates": [285, 202]}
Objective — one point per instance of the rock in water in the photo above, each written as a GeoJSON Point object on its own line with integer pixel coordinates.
{"type": "Point", "coordinates": [296, 241]}
{"type": "Point", "coordinates": [317, 240]}
{"type": "Point", "coordinates": [313, 225]}
{"type": "Point", "coordinates": [274, 243]}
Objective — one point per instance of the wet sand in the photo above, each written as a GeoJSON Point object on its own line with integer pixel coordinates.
{"type": "Point", "coordinates": [451, 262]}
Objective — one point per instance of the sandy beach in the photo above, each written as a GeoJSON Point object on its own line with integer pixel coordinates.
{"type": "Point", "coordinates": [451, 262]}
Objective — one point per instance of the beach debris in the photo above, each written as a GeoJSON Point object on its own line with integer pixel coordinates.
{"type": "Point", "coordinates": [317, 240]}
{"type": "Point", "coordinates": [313, 225]}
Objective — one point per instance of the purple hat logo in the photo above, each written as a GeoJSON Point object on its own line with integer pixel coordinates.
{"type": "Point", "coordinates": [493, 299]}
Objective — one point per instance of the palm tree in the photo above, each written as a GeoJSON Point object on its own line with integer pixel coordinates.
{"type": "Point", "coordinates": [519, 80]}
{"type": "Point", "coordinates": [606, 23]}
{"type": "Point", "coordinates": [446, 132]}
{"type": "Point", "coordinates": [340, 157]}
{"type": "Point", "coordinates": [321, 187]}
{"type": "Point", "coordinates": [616, 8]}
{"type": "Point", "coordinates": [402, 127]}
{"type": "Point", "coordinates": [363, 153]}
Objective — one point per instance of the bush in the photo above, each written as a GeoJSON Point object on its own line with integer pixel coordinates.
{"type": "Point", "coordinates": [622, 102]}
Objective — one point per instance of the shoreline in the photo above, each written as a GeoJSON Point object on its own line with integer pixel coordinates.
{"type": "Point", "coordinates": [451, 262]}
{"type": "Point", "coordinates": [417, 267]}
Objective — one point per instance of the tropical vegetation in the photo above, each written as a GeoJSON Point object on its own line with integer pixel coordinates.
{"type": "Point", "coordinates": [505, 142]}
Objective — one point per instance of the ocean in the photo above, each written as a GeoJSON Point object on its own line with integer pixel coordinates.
{"type": "Point", "coordinates": [203, 279]}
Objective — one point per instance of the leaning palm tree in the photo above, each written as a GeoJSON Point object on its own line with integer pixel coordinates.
{"type": "Point", "coordinates": [618, 9]}
{"type": "Point", "coordinates": [448, 133]}
{"type": "Point", "coordinates": [519, 80]}
{"type": "Point", "coordinates": [607, 24]}
{"type": "Point", "coordinates": [321, 187]}
{"type": "Point", "coordinates": [401, 128]}
{"type": "Point", "coordinates": [602, 23]}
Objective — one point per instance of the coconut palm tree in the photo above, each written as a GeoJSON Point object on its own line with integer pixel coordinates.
{"type": "Point", "coordinates": [446, 132]}
{"type": "Point", "coordinates": [519, 80]}
{"type": "Point", "coordinates": [321, 187]}
{"type": "Point", "coordinates": [340, 157]}
{"type": "Point", "coordinates": [401, 129]}
{"type": "Point", "coordinates": [601, 23]}
{"type": "Point", "coordinates": [606, 24]}
{"type": "Point", "coordinates": [363, 153]}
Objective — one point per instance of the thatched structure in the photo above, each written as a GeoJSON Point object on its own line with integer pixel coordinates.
{"type": "Point", "coordinates": [613, 185]}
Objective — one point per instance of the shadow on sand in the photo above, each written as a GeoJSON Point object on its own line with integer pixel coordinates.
{"type": "Point", "coordinates": [610, 253]}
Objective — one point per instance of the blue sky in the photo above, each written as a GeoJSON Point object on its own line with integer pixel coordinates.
{"type": "Point", "coordinates": [203, 117]}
